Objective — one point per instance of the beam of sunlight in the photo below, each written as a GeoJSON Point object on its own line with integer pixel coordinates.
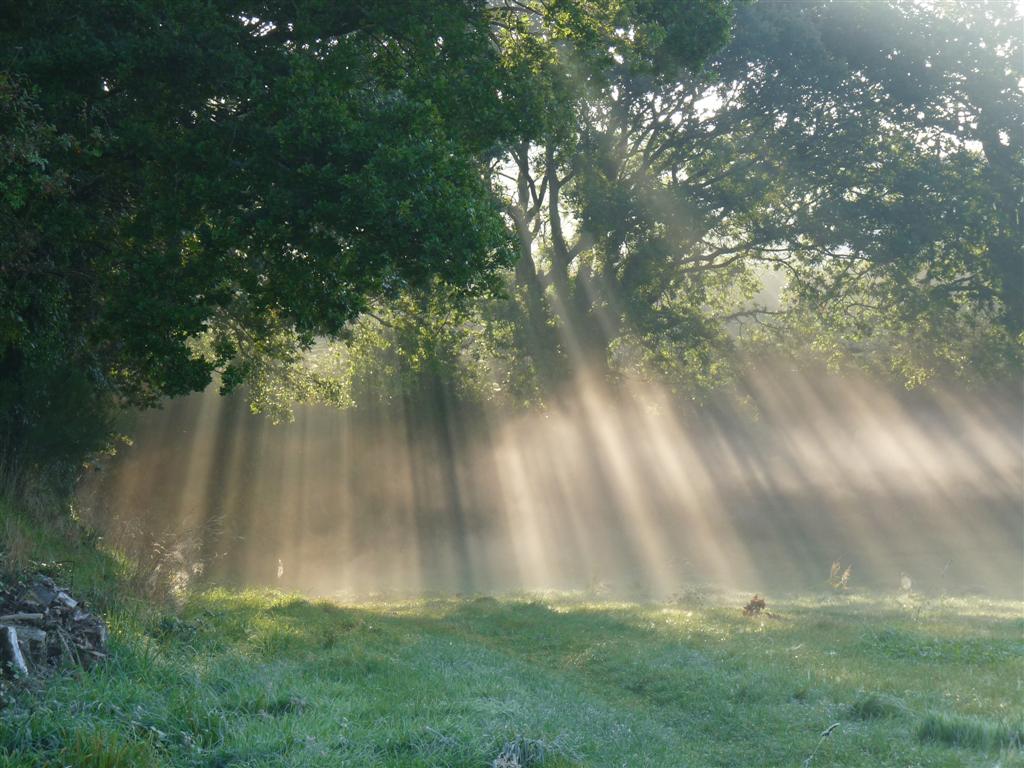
{"type": "Point", "coordinates": [625, 489]}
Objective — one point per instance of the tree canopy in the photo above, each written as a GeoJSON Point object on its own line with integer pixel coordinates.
{"type": "Point", "coordinates": [235, 172]}
{"type": "Point", "coordinates": [205, 186]}
{"type": "Point", "coordinates": [490, 196]}
{"type": "Point", "coordinates": [823, 184]}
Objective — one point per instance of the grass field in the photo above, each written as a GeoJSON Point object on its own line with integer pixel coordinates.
{"type": "Point", "coordinates": [265, 679]}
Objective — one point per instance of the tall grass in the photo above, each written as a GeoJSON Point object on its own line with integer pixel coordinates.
{"type": "Point", "coordinates": [981, 733]}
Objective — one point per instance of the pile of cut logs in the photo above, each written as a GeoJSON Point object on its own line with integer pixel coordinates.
{"type": "Point", "coordinates": [42, 625]}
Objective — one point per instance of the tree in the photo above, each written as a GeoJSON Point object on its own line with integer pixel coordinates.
{"type": "Point", "coordinates": [835, 143]}
{"type": "Point", "coordinates": [571, 314]}
{"type": "Point", "coordinates": [570, 59]}
{"type": "Point", "coordinates": [210, 187]}
{"type": "Point", "coordinates": [903, 221]}
{"type": "Point", "coordinates": [199, 186]}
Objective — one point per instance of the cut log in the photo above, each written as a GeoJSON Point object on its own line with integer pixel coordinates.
{"type": "Point", "coordinates": [27, 634]}
{"type": "Point", "coordinates": [22, 618]}
{"type": "Point", "coordinates": [42, 592]}
{"type": "Point", "coordinates": [10, 651]}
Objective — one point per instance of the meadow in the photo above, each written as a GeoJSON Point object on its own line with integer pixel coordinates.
{"type": "Point", "coordinates": [262, 678]}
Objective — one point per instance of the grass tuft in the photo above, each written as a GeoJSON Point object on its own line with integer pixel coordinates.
{"type": "Point", "coordinates": [521, 752]}
{"type": "Point", "coordinates": [971, 732]}
{"type": "Point", "coordinates": [103, 748]}
{"type": "Point", "coordinates": [875, 706]}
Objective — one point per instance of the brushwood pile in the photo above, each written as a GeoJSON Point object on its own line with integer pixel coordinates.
{"type": "Point", "coordinates": [43, 627]}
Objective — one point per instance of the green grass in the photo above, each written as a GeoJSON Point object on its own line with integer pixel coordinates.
{"type": "Point", "coordinates": [260, 678]}
{"type": "Point", "coordinates": [265, 679]}
{"type": "Point", "coordinates": [57, 545]}
{"type": "Point", "coordinates": [974, 732]}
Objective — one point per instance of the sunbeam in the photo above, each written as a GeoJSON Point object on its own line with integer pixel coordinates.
{"type": "Point", "coordinates": [624, 489]}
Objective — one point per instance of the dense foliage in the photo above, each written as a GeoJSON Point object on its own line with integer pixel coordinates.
{"type": "Point", "coordinates": [842, 180]}
{"type": "Point", "coordinates": [902, 218]}
{"type": "Point", "coordinates": [487, 198]}
{"type": "Point", "coordinates": [194, 171]}
{"type": "Point", "coordinates": [204, 187]}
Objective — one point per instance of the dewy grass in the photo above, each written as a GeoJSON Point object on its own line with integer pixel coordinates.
{"type": "Point", "coordinates": [260, 678]}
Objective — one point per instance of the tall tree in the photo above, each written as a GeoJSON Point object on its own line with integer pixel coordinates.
{"type": "Point", "coordinates": [245, 176]}
{"type": "Point", "coordinates": [870, 152]}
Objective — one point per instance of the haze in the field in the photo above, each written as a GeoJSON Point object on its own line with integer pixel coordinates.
{"type": "Point", "coordinates": [622, 492]}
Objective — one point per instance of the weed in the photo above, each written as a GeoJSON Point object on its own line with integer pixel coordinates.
{"type": "Point", "coordinates": [839, 579]}
{"type": "Point", "coordinates": [521, 752]}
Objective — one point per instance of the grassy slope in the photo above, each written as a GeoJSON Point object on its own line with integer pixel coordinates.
{"type": "Point", "coordinates": [56, 544]}
{"type": "Point", "coordinates": [265, 679]}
